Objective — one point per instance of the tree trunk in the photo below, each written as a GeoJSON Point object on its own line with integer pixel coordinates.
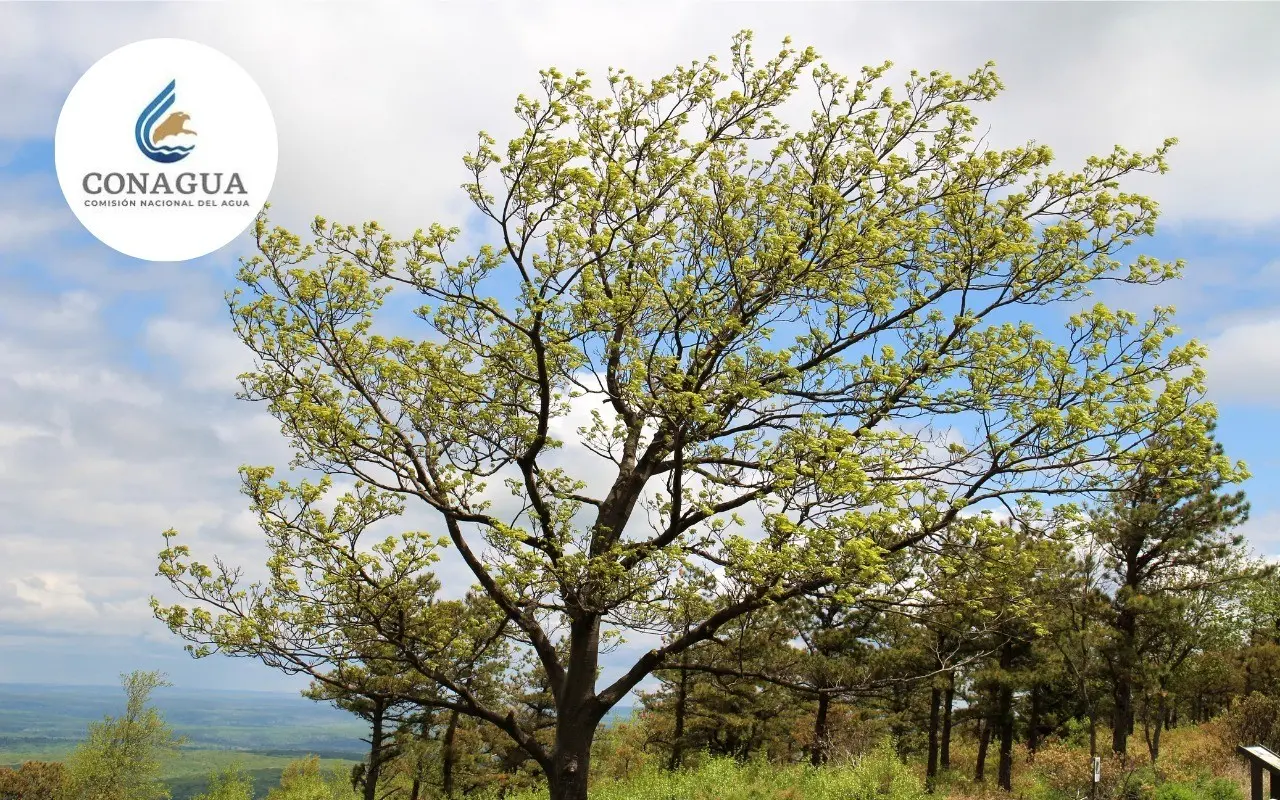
{"type": "Point", "coordinates": [682, 701]}
{"type": "Point", "coordinates": [578, 713]}
{"type": "Point", "coordinates": [448, 755]}
{"type": "Point", "coordinates": [1123, 695]}
{"type": "Point", "coordinates": [1153, 731]}
{"type": "Point", "coordinates": [424, 733]}
{"type": "Point", "coordinates": [376, 747]}
{"type": "Point", "coordinates": [1033, 722]}
{"type": "Point", "coordinates": [1122, 691]}
{"type": "Point", "coordinates": [935, 722]}
{"type": "Point", "coordinates": [821, 733]}
{"type": "Point", "coordinates": [1005, 712]}
{"type": "Point", "coordinates": [948, 700]}
{"type": "Point", "coordinates": [1005, 774]}
{"type": "Point", "coordinates": [571, 763]}
{"type": "Point", "coordinates": [898, 728]}
{"type": "Point", "coordinates": [984, 739]}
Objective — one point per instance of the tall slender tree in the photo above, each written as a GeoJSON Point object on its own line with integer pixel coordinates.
{"type": "Point", "coordinates": [123, 757]}
{"type": "Point", "coordinates": [1169, 535]}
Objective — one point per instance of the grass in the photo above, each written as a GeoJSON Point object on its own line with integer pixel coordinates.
{"type": "Point", "coordinates": [877, 776]}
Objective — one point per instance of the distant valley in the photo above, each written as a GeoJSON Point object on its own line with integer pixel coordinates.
{"type": "Point", "coordinates": [40, 716]}
{"type": "Point", "coordinates": [259, 731]}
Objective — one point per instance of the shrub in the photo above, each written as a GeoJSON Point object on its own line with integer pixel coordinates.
{"type": "Point", "coordinates": [34, 780]}
{"type": "Point", "coordinates": [1176, 791]}
{"type": "Point", "coordinates": [1223, 789]}
{"type": "Point", "coordinates": [305, 780]}
{"type": "Point", "coordinates": [1210, 789]}
{"type": "Point", "coordinates": [1064, 772]}
{"type": "Point", "coordinates": [233, 784]}
{"type": "Point", "coordinates": [1254, 720]}
{"type": "Point", "coordinates": [1139, 784]}
{"type": "Point", "coordinates": [1196, 754]}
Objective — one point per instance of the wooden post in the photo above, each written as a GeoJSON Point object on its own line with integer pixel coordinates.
{"type": "Point", "coordinates": [1262, 760]}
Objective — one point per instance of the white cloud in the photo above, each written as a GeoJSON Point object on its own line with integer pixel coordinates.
{"type": "Point", "coordinates": [12, 434]}
{"type": "Point", "coordinates": [207, 357]}
{"type": "Point", "coordinates": [94, 384]}
{"type": "Point", "coordinates": [19, 228]}
{"type": "Point", "coordinates": [1244, 363]}
{"type": "Point", "coordinates": [1263, 532]}
{"type": "Point", "coordinates": [97, 457]}
{"type": "Point", "coordinates": [31, 211]}
{"type": "Point", "coordinates": [52, 591]}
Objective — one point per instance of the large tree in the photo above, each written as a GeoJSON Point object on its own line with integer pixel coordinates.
{"type": "Point", "coordinates": [1171, 544]}
{"type": "Point", "coordinates": [757, 318]}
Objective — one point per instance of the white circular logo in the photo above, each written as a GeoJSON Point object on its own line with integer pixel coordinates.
{"type": "Point", "coordinates": [166, 150]}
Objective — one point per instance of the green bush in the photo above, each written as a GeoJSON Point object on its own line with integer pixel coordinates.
{"type": "Point", "coordinates": [1215, 789]}
{"type": "Point", "coordinates": [1255, 720]}
{"type": "Point", "coordinates": [1223, 789]}
{"type": "Point", "coordinates": [1139, 785]}
{"type": "Point", "coordinates": [230, 784]}
{"type": "Point", "coordinates": [1176, 791]}
{"type": "Point", "coordinates": [304, 779]}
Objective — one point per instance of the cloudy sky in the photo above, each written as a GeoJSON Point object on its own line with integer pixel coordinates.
{"type": "Point", "coordinates": [117, 416]}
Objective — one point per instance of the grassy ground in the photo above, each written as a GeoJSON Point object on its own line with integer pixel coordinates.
{"type": "Point", "coordinates": [878, 776]}
{"type": "Point", "coordinates": [1195, 764]}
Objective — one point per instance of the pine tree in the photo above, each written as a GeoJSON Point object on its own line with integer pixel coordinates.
{"type": "Point", "coordinates": [1167, 536]}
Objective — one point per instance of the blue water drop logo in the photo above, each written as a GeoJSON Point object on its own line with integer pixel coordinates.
{"type": "Point", "coordinates": [150, 130]}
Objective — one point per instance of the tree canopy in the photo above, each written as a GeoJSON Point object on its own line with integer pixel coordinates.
{"type": "Point", "coordinates": [800, 350]}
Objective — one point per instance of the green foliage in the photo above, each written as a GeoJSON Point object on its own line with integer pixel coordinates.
{"type": "Point", "coordinates": [1255, 719]}
{"type": "Point", "coordinates": [1138, 784]}
{"type": "Point", "coordinates": [306, 780]}
{"type": "Point", "coordinates": [230, 784]}
{"type": "Point", "coordinates": [123, 758]}
{"type": "Point", "coordinates": [1176, 791]}
{"type": "Point", "coordinates": [1144, 786]}
{"type": "Point", "coordinates": [1223, 789]}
